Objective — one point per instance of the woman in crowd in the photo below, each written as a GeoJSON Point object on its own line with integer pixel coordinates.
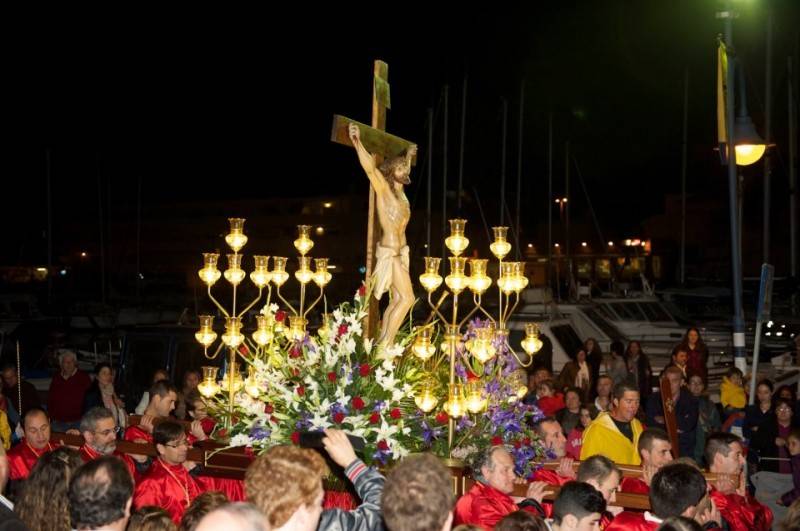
{"type": "Point", "coordinates": [697, 352]}
{"type": "Point", "coordinates": [577, 373]}
{"type": "Point", "coordinates": [594, 356]}
{"type": "Point", "coordinates": [708, 418]}
{"type": "Point", "coordinates": [575, 437]}
{"type": "Point", "coordinates": [639, 369]}
{"type": "Point", "coordinates": [770, 439]}
{"type": "Point", "coordinates": [757, 413]}
{"type": "Point", "coordinates": [101, 393]}
{"type": "Point", "coordinates": [43, 503]}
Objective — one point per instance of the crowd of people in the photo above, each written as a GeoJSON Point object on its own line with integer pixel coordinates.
{"type": "Point", "coordinates": [603, 415]}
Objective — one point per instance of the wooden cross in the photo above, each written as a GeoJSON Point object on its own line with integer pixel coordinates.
{"type": "Point", "coordinates": [382, 145]}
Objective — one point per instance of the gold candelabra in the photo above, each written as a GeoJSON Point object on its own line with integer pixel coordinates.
{"type": "Point", "coordinates": [267, 329]}
{"type": "Point", "coordinates": [511, 280]}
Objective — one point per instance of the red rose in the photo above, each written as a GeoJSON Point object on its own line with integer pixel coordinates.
{"type": "Point", "coordinates": [222, 433]}
{"type": "Point", "coordinates": [517, 444]}
{"type": "Point", "coordinates": [375, 418]}
{"type": "Point", "coordinates": [364, 370]}
{"type": "Point", "coordinates": [441, 417]}
{"type": "Point", "coordinates": [296, 437]}
{"type": "Point", "coordinates": [395, 413]}
{"type": "Point", "coordinates": [301, 390]}
{"type": "Point", "coordinates": [280, 316]}
{"type": "Point", "coordinates": [295, 352]}
{"type": "Point", "coordinates": [362, 290]}
{"type": "Point", "coordinates": [248, 451]}
{"type": "Point", "coordinates": [331, 376]}
{"type": "Point", "coordinates": [526, 441]}
{"type": "Point", "coordinates": [471, 376]}
{"type": "Point", "coordinates": [358, 403]}
{"type": "Point", "coordinates": [497, 441]}
{"type": "Point", "coordinates": [243, 349]}
{"type": "Point", "coordinates": [342, 330]}
{"type": "Point", "coordinates": [268, 409]}
{"type": "Point", "coordinates": [338, 417]}
{"type": "Point", "coordinates": [295, 372]}
{"type": "Point", "coordinates": [383, 445]}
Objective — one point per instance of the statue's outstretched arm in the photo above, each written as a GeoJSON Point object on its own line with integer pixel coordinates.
{"type": "Point", "coordinates": [365, 158]}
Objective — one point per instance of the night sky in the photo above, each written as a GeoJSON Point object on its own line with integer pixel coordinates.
{"type": "Point", "coordinates": [222, 105]}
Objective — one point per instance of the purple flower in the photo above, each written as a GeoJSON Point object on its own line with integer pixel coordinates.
{"type": "Point", "coordinates": [259, 433]}
{"type": "Point", "coordinates": [382, 456]}
{"type": "Point", "coordinates": [461, 371]}
{"type": "Point", "coordinates": [379, 405]}
{"type": "Point", "coordinates": [336, 407]}
{"type": "Point", "coordinates": [464, 423]}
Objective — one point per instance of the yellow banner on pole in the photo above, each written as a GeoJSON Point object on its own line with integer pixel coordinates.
{"type": "Point", "coordinates": [722, 91]}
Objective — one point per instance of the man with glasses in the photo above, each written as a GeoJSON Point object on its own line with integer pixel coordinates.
{"type": "Point", "coordinates": [171, 482]}
{"type": "Point", "coordinates": [99, 430]}
{"type": "Point", "coordinates": [22, 457]}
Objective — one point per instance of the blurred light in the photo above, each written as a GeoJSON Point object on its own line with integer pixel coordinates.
{"type": "Point", "coordinates": [768, 334]}
{"type": "Point", "coordinates": [556, 245]}
{"type": "Point", "coordinates": [779, 334]}
{"type": "Point", "coordinates": [747, 154]}
{"type": "Point", "coordinates": [63, 272]}
{"type": "Point", "coordinates": [783, 326]}
{"type": "Point", "coordinates": [84, 254]}
{"type": "Point", "coordinates": [362, 269]}
{"type": "Point", "coordinates": [769, 324]}
{"type": "Point", "coordinates": [611, 244]}
{"type": "Point", "coordinates": [530, 246]}
{"type": "Point", "coordinates": [327, 204]}
{"type": "Point", "coordinates": [41, 270]}
{"type": "Point", "coordinates": [320, 231]}
{"type": "Point", "coordinates": [583, 244]}
{"type": "Point", "coordinates": [141, 276]}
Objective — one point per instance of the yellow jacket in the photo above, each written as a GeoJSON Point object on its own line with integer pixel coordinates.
{"type": "Point", "coordinates": [5, 430]}
{"type": "Point", "coordinates": [603, 437]}
{"type": "Point", "coordinates": [732, 395]}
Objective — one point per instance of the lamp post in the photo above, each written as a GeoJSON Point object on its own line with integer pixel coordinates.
{"type": "Point", "coordinates": [510, 283]}
{"type": "Point", "coordinates": [742, 147]}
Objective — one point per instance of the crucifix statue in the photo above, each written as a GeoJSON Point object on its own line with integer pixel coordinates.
{"type": "Point", "coordinates": [387, 161]}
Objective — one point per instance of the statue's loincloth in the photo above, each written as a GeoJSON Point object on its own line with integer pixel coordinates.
{"type": "Point", "coordinates": [384, 257]}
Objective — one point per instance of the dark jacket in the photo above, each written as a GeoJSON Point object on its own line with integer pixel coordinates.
{"type": "Point", "coordinates": [686, 413]}
{"type": "Point", "coordinates": [763, 444]}
{"type": "Point", "coordinates": [367, 516]}
{"type": "Point", "coordinates": [753, 417]}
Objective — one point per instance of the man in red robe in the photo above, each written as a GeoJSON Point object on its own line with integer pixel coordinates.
{"type": "Point", "coordinates": [655, 450]}
{"type": "Point", "coordinates": [489, 499]}
{"type": "Point", "coordinates": [36, 442]}
{"type": "Point", "coordinates": [724, 455]}
{"type": "Point", "coordinates": [578, 507]}
{"type": "Point", "coordinates": [99, 430]}
{"type": "Point", "coordinates": [601, 473]}
{"type": "Point", "coordinates": [676, 490]}
{"type": "Point", "coordinates": [552, 436]}
{"type": "Point", "coordinates": [162, 402]}
{"type": "Point", "coordinates": [171, 482]}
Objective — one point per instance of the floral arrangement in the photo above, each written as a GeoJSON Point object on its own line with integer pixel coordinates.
{"type": "Point", "coordinates": [506, 419]}
{"type": "Point", "coordinates": [336, 378]}
{"type": "Point", "coordinates": [333, 378]}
